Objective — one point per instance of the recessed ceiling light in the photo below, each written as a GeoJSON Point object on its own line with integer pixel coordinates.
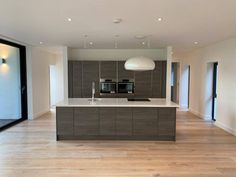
{"type": "Point", "coordinates": [195, 42]}
{"type": "Point", "coordinates": [159, 19]}
{"type": "Point", "coordinates": [117, 20]}
{"type": "Point", "coordinates": [140, 36]}
{"type": "Point", "coordinates": [40, 42]}
{"type": "Point", "coordinates": [91, 43]}
{"type": "Point", "coordinates": [143, 43]}
{"type": "Point", "coordinates": [69, 19]}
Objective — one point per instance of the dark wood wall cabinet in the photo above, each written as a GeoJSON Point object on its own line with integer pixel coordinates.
{"type": "Point", "coordinates": [108, 70]}
{"type": "Point", "coordinates": [123, 123]}
{"type": "Point", "coordinates": [81, 74]}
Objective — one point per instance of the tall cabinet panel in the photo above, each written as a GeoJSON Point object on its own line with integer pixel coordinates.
{"type": "Point", "coordinates": [70, 79]}
{"type": "Point", "coordinates": [159, 80]}
{"type": "Point", "coordinates": [163, 84]}
{"type": "Point", "coordinates": [123, 73]}
{"type": "Point", "coordinates": [143, 84]}
{"type": "Point", "coordinates": [108, 69]}
{"type": "Point", "coordinates": [77, 79]}
{"type": "Point", "coordinates": [90, 74]}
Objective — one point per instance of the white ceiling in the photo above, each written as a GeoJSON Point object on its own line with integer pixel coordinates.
{"type": "Point", "coordinates": [184, 21]}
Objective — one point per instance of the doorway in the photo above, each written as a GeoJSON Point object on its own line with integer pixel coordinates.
{"type": "Point", "coordinates": [185, 88]}
{"type": "Point", "coordinates": [214, 89]}
{"type": "Point", "coordinates": [175, 69]}
{"type": "Point", "coordinates": [13, 86]}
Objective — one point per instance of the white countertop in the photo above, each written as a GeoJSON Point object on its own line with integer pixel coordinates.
{"type": "Point", "coordinates": [115, 102]}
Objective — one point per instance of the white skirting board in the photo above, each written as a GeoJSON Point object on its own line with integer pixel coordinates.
{"type": "Point", "coordinates": [226, 128]}
{"type": "Point", "coordinates": [205, 117]}
{"type": "Point", "coordinates": [217, 123]}
{"type": "Point", "coordinates": [36, 115]}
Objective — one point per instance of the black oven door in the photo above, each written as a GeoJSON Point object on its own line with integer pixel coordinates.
{"type": "Point", "coordinates": [108, 87]}
{"type": "Point", "coordinates": [125, 87]}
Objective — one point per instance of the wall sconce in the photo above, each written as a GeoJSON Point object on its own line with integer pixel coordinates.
{"type": "Point", "coordinates": [3, 61]}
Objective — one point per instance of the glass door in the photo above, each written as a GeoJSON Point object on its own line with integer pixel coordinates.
{"type": "Point", "coordinates": [214, 90]}
{"type": "Point", "coordinates": [13, 94]}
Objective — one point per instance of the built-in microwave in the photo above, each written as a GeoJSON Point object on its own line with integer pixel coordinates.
{"type": "Point", "coordinates": [126, 86]}
{"type": "Point", "coordinates": [107, 86]}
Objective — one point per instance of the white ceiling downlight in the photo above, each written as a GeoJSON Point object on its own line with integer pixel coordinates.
{"type": "Point", "coordinates": [196, 42]}
{"type": "Point", "coordinates": [139, 36]}
{"type": "Point", "coordinates": [117, 20]}
{"type": "Point", "coordinates": [139, 64]}
{"type": "Point", "coordinates": [69, 19]}
{"type": "Point", "coordinates": [159, 19]}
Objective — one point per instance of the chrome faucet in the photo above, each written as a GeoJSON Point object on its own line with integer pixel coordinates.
{"type": "Point", "coordinates": [93, 90]}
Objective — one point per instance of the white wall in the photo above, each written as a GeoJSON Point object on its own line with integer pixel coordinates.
{"type": "Point", "coordinates": [29, 81]}
{"type": "Point", "coordinates": [53, 85]}
{"type": "Point", "coordinates": [10, 93]}
{"type": "Point", "coordinates": [65, 71]}
{"type": "Point", "coordinates": [199, 61]}
{"type": "Point", "coordinates": [168, 72]}
{"type": "Point", "coordinates": [41, 60]}
{"type": "Point", "coordinates": [59, 67]}
{"type": "Point", "coordinates": [115, 54]}
{"type": "Point", "coordinates": [56, 81]}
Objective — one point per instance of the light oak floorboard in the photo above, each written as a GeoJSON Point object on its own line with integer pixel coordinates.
{"type": "Point", "coordinates": [30, 149]}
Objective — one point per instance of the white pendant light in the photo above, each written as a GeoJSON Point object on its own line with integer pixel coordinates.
{"type": "Point", "coordinates": [139, 64]}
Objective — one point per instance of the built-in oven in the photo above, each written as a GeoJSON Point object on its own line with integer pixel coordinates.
{"type": "Point", "coordinates": [107, 86]}
{"type": "Point", "coordinates": [126, 86]}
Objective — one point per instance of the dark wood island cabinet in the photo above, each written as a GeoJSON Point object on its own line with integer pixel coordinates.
{"type": "Point", "coordinates": [115, 123]}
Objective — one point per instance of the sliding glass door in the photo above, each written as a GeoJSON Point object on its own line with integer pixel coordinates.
{"type": "Point", "coordinates": [13, 93]}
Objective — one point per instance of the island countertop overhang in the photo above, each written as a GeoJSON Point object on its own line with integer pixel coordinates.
{"type": "Point", "coordinates": [115, 102]}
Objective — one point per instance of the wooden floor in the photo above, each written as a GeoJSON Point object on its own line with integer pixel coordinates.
{"type": "Point", "coordinates": [30, 149]}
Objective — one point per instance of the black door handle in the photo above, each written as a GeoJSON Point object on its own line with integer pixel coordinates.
{"type": "Point", "coordinates": [23, 90]}
{"type": "Point", "coordinates": [215, 95]}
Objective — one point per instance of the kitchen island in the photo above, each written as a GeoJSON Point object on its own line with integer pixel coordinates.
{"type": "Point", "coordinates": [115, 119]}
